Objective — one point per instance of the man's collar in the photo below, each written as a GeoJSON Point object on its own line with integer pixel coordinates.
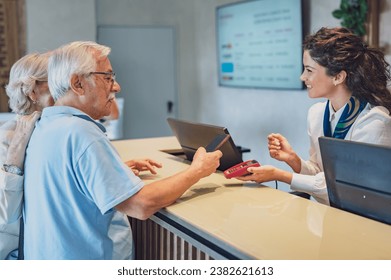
{"type": "Point", "coordinates": [66, 110]}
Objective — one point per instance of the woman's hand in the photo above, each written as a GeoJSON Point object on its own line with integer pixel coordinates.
{"type": "Point", "coordinates": [266, 173]}
{"type": "Point", "coordinates": [138, 165]}
{"type": "Point", "coordinates": [280, 149]}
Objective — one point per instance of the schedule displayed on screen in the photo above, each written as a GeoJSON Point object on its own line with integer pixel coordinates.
{"type": "Point", "coordinates": [259, 44]}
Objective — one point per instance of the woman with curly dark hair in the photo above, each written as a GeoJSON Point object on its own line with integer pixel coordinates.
{"type": "Point", "coordinates": [353, 78]}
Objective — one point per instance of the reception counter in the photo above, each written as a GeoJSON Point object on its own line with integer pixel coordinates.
{"type": "Point", "coordinates": [218, 218]}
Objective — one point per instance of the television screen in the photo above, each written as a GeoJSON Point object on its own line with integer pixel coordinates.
{"type": "Point", "coordinates": [259, 44]}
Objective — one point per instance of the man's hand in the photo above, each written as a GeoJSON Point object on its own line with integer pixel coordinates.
{"type": "Point", "coordinates": [205, 163]}
{"type": "Point", "coordinates": [138, 165]}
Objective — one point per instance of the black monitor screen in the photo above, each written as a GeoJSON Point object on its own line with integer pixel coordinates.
{"type": "Point", "coordinates": [191, 136]}
{"type": "Point", "coordinates": [358, 177]}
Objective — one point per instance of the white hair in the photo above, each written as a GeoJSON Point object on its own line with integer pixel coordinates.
{"type": "Point", "coordinates": [22, 80]}
{"type": "Point", "coordinates": [73, 58]}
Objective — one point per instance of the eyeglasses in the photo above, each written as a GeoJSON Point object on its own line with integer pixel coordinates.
{"type": "Point", "coordinates": [110, 77]}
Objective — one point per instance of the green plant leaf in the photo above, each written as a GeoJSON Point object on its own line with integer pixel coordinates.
{"type": "Point", "coordinates": [344, 5]}
{"type": "Point", "coordinates": [363, 7]}
{"type": "Point", "coordinates": [353, 15]}
{"type": "Point", "coordinates": [361, 30]}
{"type": "Point", "coordinates": [337, 14]}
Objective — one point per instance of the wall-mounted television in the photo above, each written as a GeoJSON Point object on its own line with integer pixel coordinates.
{"type": "Point", "coordinates": [259, 44]}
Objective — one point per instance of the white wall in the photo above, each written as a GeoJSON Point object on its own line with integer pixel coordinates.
{"type": "Point", "coordinates": [51, 23]}
{"type": "Point", "coordinates": [178, 14]}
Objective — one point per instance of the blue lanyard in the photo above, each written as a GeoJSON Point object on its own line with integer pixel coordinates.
{"type": "Point", "coordinates": [352, 110]}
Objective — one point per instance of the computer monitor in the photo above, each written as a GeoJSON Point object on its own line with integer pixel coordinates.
{"type": "Point", "coordinates": [358, 177]}
{"type": "Point", "coordinates": [192, 135]}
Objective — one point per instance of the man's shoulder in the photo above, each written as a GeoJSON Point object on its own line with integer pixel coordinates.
{"type": "Point", "coordinates": [70, 120]}
{"type": "Point", "coordinates": [68, 131]}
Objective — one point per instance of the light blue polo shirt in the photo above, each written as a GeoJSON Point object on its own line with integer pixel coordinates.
{"type": "Point", "coordinates": [73, 180]}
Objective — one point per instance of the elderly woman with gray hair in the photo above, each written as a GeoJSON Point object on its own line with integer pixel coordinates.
{"type": "Point", "coordinates": [28, 94]}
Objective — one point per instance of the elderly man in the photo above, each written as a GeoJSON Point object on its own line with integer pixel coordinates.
{"type": "Point", "coordinates": [73, 191]}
